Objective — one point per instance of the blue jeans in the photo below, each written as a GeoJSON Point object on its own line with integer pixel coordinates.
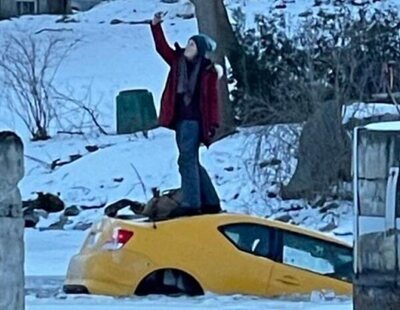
{"type": "Point", "coordinates": [196, 185]}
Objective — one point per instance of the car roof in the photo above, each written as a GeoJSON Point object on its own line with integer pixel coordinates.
{"type": "Point", "coordinates": [226, 218]}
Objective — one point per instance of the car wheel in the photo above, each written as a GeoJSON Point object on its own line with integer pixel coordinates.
{"type": "Point", "coordinates": [171, 282]}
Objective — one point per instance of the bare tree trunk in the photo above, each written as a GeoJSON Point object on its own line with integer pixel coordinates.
{"type": "Point", "coordinates": [212, 20]}
{"type": "Point", "coordinates": [324, 154]}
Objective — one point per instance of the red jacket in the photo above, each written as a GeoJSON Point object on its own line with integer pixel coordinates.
{"type": "Point", "coordinates": [209, 108]}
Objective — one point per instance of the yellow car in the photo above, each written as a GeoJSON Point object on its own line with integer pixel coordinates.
{"type": "Point", "coordinates": [221, 253]}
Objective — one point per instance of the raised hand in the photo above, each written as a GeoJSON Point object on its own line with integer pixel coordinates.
{"type": "Point", "coordinates": [158, 18]}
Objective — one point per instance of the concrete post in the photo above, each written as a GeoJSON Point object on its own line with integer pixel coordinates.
{"type": "Point", "coordinates": [11, 223]}
{"type": "Point", "coordinates": [377, 210]}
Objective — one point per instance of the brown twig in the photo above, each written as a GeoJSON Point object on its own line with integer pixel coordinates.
{"type": "Point", "coordinates": [53, 30]}
{"type": "Point", "coordinates": [140, 180]}
{"type": "Point", "coordinates": [70, 132]}
{"type": "Point", "coordinates": [138, 22]}
{"type": "Point", "coordinates": [47, 165]}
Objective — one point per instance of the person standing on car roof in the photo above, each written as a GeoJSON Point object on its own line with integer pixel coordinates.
{"type": "Point", "coordinates": [190, 106]}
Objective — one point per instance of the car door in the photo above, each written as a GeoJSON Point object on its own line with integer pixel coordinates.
{"type": "Point", "coordinates": [304, 264]}
{"type": "Point", "coordinates": [248, 266]}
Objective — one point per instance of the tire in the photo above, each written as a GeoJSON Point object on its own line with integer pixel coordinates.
{"type": "Point", "coordinates": [171, 282]}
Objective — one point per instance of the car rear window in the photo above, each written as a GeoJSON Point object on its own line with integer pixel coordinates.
{"type": "Point", "coordinates": [319, 256]}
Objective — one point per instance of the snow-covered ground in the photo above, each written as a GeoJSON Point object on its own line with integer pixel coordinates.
{"type": "Point", "coordinates": [111, 58]}
{"type": "Point", "coordinates": [205, 302]}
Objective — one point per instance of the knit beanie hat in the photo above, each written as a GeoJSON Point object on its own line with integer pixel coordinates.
{"type": "Point", "coordinates": [204, 44]}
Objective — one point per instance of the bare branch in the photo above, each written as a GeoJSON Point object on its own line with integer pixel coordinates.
{"type": "Point", "coordinates": [140, 180]}
{"type": "Point", "coordinates": [53, 30]}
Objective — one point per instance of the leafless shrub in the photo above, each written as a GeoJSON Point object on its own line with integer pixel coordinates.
{"type": "Point", "coordinates": [29, 65]}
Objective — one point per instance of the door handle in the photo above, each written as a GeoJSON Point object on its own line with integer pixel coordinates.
{"type": "Point", "coordinates": [289, 280]}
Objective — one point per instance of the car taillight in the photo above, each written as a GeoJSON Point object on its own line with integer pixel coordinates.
{"type": "Point", "coordinates": [119, 239]}
{"type": "Point", "coordinates": [123, 236]}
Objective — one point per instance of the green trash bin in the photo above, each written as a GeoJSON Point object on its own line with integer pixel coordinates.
{"type": "Point", "coordinates": [135, 111]}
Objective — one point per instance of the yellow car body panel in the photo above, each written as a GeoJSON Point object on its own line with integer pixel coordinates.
{"type": "Point", "coordinates": [196, 246]}
{"type": "Point", "coordinates": [287, 280]}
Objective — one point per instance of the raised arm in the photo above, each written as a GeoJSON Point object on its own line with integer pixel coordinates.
{"type": "Point", "coordinates": [162, 46]}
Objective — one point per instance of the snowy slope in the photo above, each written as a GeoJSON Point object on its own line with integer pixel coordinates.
{"type": "Point", "coordinates": [109, 58]}
{"type": "Point", "coordinates": [126, 167]}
